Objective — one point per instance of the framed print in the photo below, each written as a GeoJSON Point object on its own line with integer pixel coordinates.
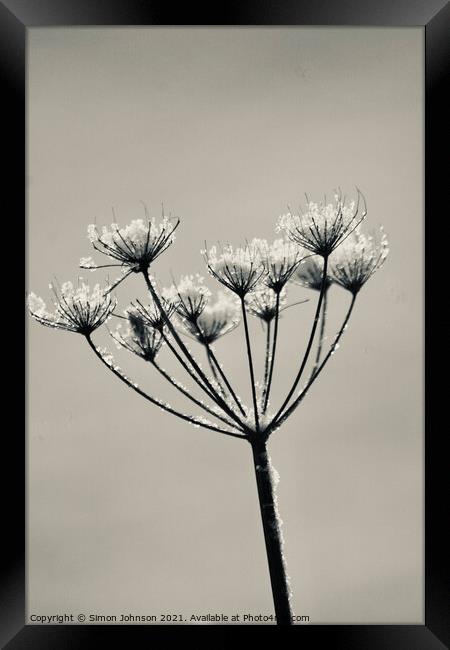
{"type": "Point", "coordinates": [233, 213]}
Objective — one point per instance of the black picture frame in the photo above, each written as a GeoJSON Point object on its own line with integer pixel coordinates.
{"type": "Point", "coordinates": [16, 16]}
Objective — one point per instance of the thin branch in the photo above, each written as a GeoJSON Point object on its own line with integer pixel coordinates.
{"type": "Point", "coordinates": [190, 372]}
{"type": "Point", "coordinates": [313, 378]}
{"type": "Point", "coordinates": [224, 377]}
{"type": "Point", "coordinates": [214, 372]}
{"type": "Point", "coordinates": [274, 347]}
{"type": "Point", "coordinates": [193, 399]}
{"type": "Point", "coordinates": [310, 342]}
{"type": "Point", "coordinates": [267, 358]}
{"type": "Point", "coordinates": [217, 398]}
{"type": "Point", "coordinates": [250, 364]}
{"type": "Point", "coordinates": [321, 332]}
{"type": "Point", "coordinates": [165, 407]}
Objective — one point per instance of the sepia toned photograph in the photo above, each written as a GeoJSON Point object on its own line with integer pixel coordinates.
{"type": "Point", "coordinates": [225, 336]}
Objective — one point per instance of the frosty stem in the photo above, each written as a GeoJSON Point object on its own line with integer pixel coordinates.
{"type": "Point", "coordinates": [267, 360]}
{"type": "Point", "coordinates": [310, 342]}
{"type": "Point", "coordinates": [207, 387]}
{"type": "Point", "coordinates": [274, 347]}
{"type": "Point", "coordinates": [164, 407]}
{"type": "Point", "coordinates": [250, 364]}
{"type": "Point", "coordinates": [272, 532]}
{"type": "Point", "coordinates": [323, 319]}
{"type": "Point", "coordinates": [316, 373]}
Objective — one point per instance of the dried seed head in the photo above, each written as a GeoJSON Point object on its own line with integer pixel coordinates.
{"type": "Point", "coordinates": [280, 259]}
{"type": "Point", "coordinates": [322, 227]}
{"type": "Point", "coordinates": [190, 297]}
{"type": "Point", "coordinates": [139, 337]}
{"type": "Point", "coordinates": [216, 319]}
{"type": "Point", "coordinates": [135, 246]}
{"type": "Point", "coordinates": [239, 269]}
{"type": "Point", "coordinates": [262, 303]}
{"type": "Point", "coordinates": [359, 257]}
{"type": "Point", "coordinates": [77, 309]}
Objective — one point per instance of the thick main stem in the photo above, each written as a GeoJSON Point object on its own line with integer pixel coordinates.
{"type": "Point", "coordinates": [272, 533]}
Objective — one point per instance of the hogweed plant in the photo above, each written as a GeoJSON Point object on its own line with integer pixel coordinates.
{"type": "Point", "coordinates": [320, 246]}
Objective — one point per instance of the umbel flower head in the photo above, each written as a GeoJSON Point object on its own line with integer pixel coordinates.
{"type": "Point", "coordinates": [309, 273]}
{"type": "Point", "coordinates": [190, 297]}
{"type": "Point", "coordinates": [321, 227]}
{"type": "Point", "coordinates": [216, 319]}
{"type": "Point", "coordinates": [238, 269]}
{"type": "Point", "coordinates": [262, 303]}
{"type": "Point", "coordinates": [135, 246]}
{"type": "Point", "coordinates": [151, 314]}
{"type": "Point", "coordinates": [357, 259]}
{"type": "Point", "coordinates": [280, 259]}
{"type": "Point", "coordinates": [77, 309]}
{"type": "Point", "coordinates": [139, 337]}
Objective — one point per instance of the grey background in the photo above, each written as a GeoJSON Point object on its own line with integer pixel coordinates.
{"type": "Point", "coordinates": [130, 510]}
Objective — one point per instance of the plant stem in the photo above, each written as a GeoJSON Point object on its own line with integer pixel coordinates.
{"type": "Point", "coordinates": [213, 358]}
{"type": "Point", "coordinates": [164, 407]}
{"type": "Point", "coordinates": [272, 533]}
{"type": "Point", "coordinates": [309, 345]}
{"type": "Point", "coordinates": [314, 376]}
{"type": "Point", "coordinates": [267, 360]}
{"type": "Point", "coordinates": [214, 373]}
{"type": "Point", "coordinates": [208, 387]}
{"type": "Point", "coordinates": [193, 399]}
{"type": "Point", "coordinates": [250, 364]}
{"type": "Point", "coordinates": [321, 332]}
{"type": "Point", "coordinates": [274, 347]}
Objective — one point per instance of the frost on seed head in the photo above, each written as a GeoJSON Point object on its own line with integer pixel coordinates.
{"type": "Point", "coordinates": [358, 258]}
{"type": "Point", "coordinates": [190, 297]}
{"type": "Point", "coordinates": [216, 319]}
{"type": "Point", "coordinates": [77, 308]}
{"type": "Point", "coordinates": [134, 246]}
{"type": "Point", "coordinates": [238, 269]}
{"type": "Point", "coordinates": [321, 227]}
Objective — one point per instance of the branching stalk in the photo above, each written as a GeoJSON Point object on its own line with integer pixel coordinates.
{"type": "Point", "coordinates": [217, 398]}
{"type": "Point", "coordinates": [266, 360]}
{"type": "Point", "coordinates": [310, 342]}
{"type": "Point", "coordinates": [191, 397]}
{"type": "Point", "coordinates": [250, 364]}
{"type": "Point", "coordinates": [313, 378]}
{"type": "Point", "coordinates": [274, 347]}
{"type": "Point", "coordinates": [165, 407]}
